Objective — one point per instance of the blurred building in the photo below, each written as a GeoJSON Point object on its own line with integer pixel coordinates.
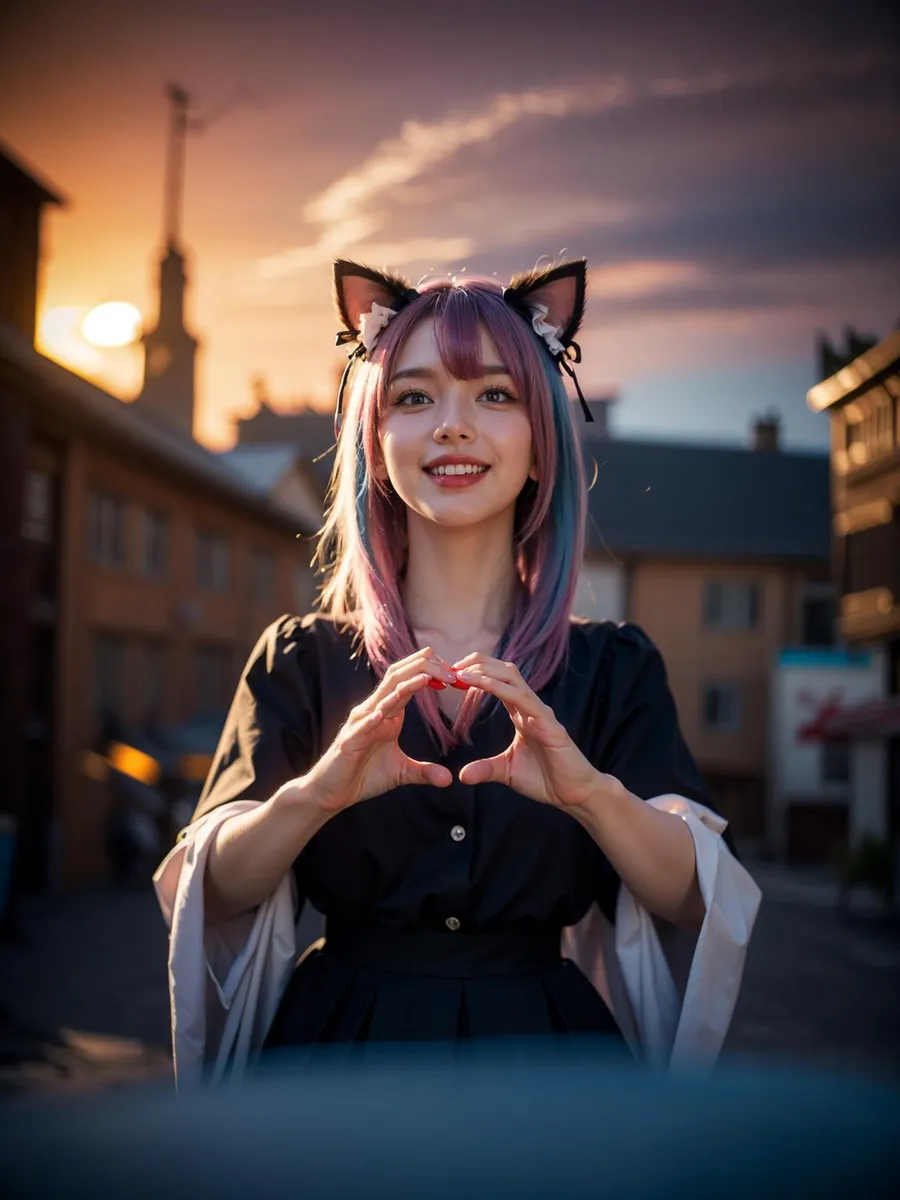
{"type": "Point", "coordinates": [722, 555]}
{"type": "Point", "coordinates": [138, 567]}
{"type": "Point", "coordinates": [810, 813]}
{"type": "Point", "coordinates": [281, 473]}
{"type": "Point", "coordinates": [863, 403]}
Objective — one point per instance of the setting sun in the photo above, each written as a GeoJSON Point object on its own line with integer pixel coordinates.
{"type": "Point", "coordinates": [112, 324]}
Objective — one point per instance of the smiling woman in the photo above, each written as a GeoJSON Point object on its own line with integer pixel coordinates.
{"type": "Point", "coordinates": [471, 785]}
{"type": "Point", "coordinates": [112, 324]}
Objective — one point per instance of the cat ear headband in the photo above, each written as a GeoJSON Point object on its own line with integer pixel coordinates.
{"type": "Point", "coordinates": [550, 299]}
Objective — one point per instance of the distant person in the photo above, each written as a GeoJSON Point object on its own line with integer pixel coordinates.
{"type": "Point", "coordinates": [445, 762]}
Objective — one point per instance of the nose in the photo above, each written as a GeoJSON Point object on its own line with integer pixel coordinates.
{"type": "Point", "coordinates": [456, 421]}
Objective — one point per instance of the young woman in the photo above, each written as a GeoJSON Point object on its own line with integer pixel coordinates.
{"type": "Point", "coordinates": [445, 762]}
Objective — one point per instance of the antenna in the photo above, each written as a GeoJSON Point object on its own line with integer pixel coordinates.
{"type": "Point", "coordinates": [180, 124]}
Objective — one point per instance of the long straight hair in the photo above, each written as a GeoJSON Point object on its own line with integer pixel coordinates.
{"type": "Point", "coordinates": [363, 548]}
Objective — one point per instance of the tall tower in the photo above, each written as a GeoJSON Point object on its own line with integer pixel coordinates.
{"type": "Point", "coordinates": [169, 350]}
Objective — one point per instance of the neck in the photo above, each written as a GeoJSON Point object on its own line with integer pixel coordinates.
{"type": "Point", "coordinates": [459, 583]}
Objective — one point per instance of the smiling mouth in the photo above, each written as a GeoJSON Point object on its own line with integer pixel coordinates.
{"type": "Point", "coordinates": [456, 469]}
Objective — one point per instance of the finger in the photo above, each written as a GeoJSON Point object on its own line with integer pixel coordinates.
{"type": "Point", "coordinates": [505, 670]}
{"type": "Point", "coordinates": [356, 735]}
{"type": "Point", "coordinates": [519, 695]}
{"type": "Point", "coordinates": [425, 661]}
{"type": "Point", "coordinates": [393, 705]}
{"type": "Point", "coordinates": [431, 774]}
{"type": "Point", "coordinates": [486, 770]}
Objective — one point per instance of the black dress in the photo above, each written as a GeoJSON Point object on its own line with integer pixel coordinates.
{"type": "Point", "coordinates": [444, 906]}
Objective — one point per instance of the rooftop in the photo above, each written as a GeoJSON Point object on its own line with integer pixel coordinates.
{"type": "Point", "coordinates": [82, 403]}
{"type": "Point", "coordinates": [668, 498]}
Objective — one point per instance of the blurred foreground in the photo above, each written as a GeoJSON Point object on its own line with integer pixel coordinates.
{"type": "Point", "coordinates": [514, 1120]}
{"type": "Point", "coordinates": [84, 1006]}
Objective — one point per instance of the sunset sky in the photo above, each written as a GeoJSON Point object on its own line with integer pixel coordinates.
{"type": "Point", "coordinates": [730, 170]}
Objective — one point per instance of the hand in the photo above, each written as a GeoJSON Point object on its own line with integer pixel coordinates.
{"type": "Point", "coordinates": [365, 758]}
{"type": "Point", "coordinates": [542, 762]}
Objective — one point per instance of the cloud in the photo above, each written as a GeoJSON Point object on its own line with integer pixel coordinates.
{"type": "Point", "coordinates": [347, 211]}
{"type": "Point", "coordinates": [422, 249]}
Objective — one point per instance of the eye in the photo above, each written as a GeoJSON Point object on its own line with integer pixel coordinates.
{"type": "Point", "coordinates": [498, 395]}
{"type": "Point", "coordinates": [413, 394]}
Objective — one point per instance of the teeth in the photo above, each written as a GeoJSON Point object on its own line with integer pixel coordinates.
{"type": "Point", "coordinates": [458, 469]}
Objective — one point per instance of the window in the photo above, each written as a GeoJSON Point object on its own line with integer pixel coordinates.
{"type": "Point", "coordinates": [106, 529]}
{"type": "Point", "coordinates": [37, 514]}
{"type": "Point", "coordinates": [262, 576]}
{"type": "Point", "coordinates": [869, 426]}
{"type": "Point", "coordinates": [212, 562]}
{"type": "Point", "coordinates": [870, 557]}
{"type": "Point", "coordinates": [151, 680]}
{"type": "Point", "coordinates": [835, 762]}
{"type": "Point", "coordinates": [154, 544]}
{"type": "Point", "coordinates": [107, 680]}
{"type": "Point", "coordinates": [818, 615]}
{"type": "Point", "coordinates": [730, 605]}
{"type": "Point", "coordinates": [722, 707]}
{"type": "Point", "coordinates": [214, 682]}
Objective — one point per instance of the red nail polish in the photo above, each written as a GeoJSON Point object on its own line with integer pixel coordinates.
{"type": "Point", "coordinates": [463, 687]}
{"type": "Point", "coordinates": [437, 685]}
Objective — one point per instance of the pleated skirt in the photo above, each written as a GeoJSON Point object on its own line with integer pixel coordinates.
{"type": "Point", "coordinates": [378, 985]}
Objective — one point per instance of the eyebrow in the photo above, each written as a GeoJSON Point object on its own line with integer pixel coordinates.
{"type": "Point", "coordinates": [427, 373]}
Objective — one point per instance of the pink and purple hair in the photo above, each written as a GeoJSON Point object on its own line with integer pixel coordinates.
{"type": "Point", "coordinates": [362, 545]}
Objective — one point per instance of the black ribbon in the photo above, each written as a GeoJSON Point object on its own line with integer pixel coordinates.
{"type": "Point", "coordinates": [572, 354]}
{"type": "Point", "coordinates": [345, 335]}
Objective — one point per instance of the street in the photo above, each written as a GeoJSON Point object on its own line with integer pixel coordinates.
{"type": "Point", "coordinates": [83, 996]}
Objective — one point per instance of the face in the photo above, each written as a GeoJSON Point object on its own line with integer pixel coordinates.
{"type": "Point", "coordinates": [429, 414]}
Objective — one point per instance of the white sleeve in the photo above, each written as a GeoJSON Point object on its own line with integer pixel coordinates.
{"type": "Point", "coordinates": [673, 992]}
{"type": "Point", "coordinates": [225, 979]}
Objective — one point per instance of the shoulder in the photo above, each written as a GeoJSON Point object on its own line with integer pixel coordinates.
{"type": "Point", "coordinates": [625, 662]}
{"type": "Point", "coordinates": [620, 645]}
{"type": "Point", "coordinates": [295, 642]}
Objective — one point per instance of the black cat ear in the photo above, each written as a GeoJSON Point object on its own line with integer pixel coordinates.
{"type": "Point", "coordinates": [357, 288]}
{"type": "Point", "coordinates": [561, 289]}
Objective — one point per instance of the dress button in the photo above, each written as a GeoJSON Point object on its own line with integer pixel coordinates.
{"type": "Point", "coordinates": [452, 923]}
{"type": "Point", "coordinates": [458, 833]}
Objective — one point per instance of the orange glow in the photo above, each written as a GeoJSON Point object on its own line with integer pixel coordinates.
{"type": "Point", "coordinates": [134, 763]}
{"type": "Point", "coordinates": [95, 766]}
{"type": "Point", "coordinates": [194, 767]}
{"type": "Point", "coordinates": [118, 369]}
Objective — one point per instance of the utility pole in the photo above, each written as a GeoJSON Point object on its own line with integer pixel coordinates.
{"type": "Point", "coordinates": [175, 155]}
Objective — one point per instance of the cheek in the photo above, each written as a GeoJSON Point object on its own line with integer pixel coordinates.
{"type": "Point", "coordinates": [515, 438]}
{"type": "Point", "coordinates": [398, 447]}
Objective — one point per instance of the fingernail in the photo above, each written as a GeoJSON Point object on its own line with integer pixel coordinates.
{"type": "Point", "coordinates": [463, 687]}
{"type": "Point", "coordinates": [436, 684]}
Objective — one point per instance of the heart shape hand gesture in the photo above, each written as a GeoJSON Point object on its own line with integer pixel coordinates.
{"type": "Point", "coordinates": [542, 762]}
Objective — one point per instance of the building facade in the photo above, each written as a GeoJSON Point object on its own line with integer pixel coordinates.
{"type": "Point", "coordinates": [722, 555]}
{"type": "Point", "coordinates": [139, 569]}
{"type": "Point", "coordinates": [862, 401]}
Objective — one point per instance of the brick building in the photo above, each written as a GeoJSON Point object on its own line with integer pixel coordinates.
{"type": "Point", "coordinates": [862, 401]}
{"type": "Point", "coordinates": [141, 568]}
